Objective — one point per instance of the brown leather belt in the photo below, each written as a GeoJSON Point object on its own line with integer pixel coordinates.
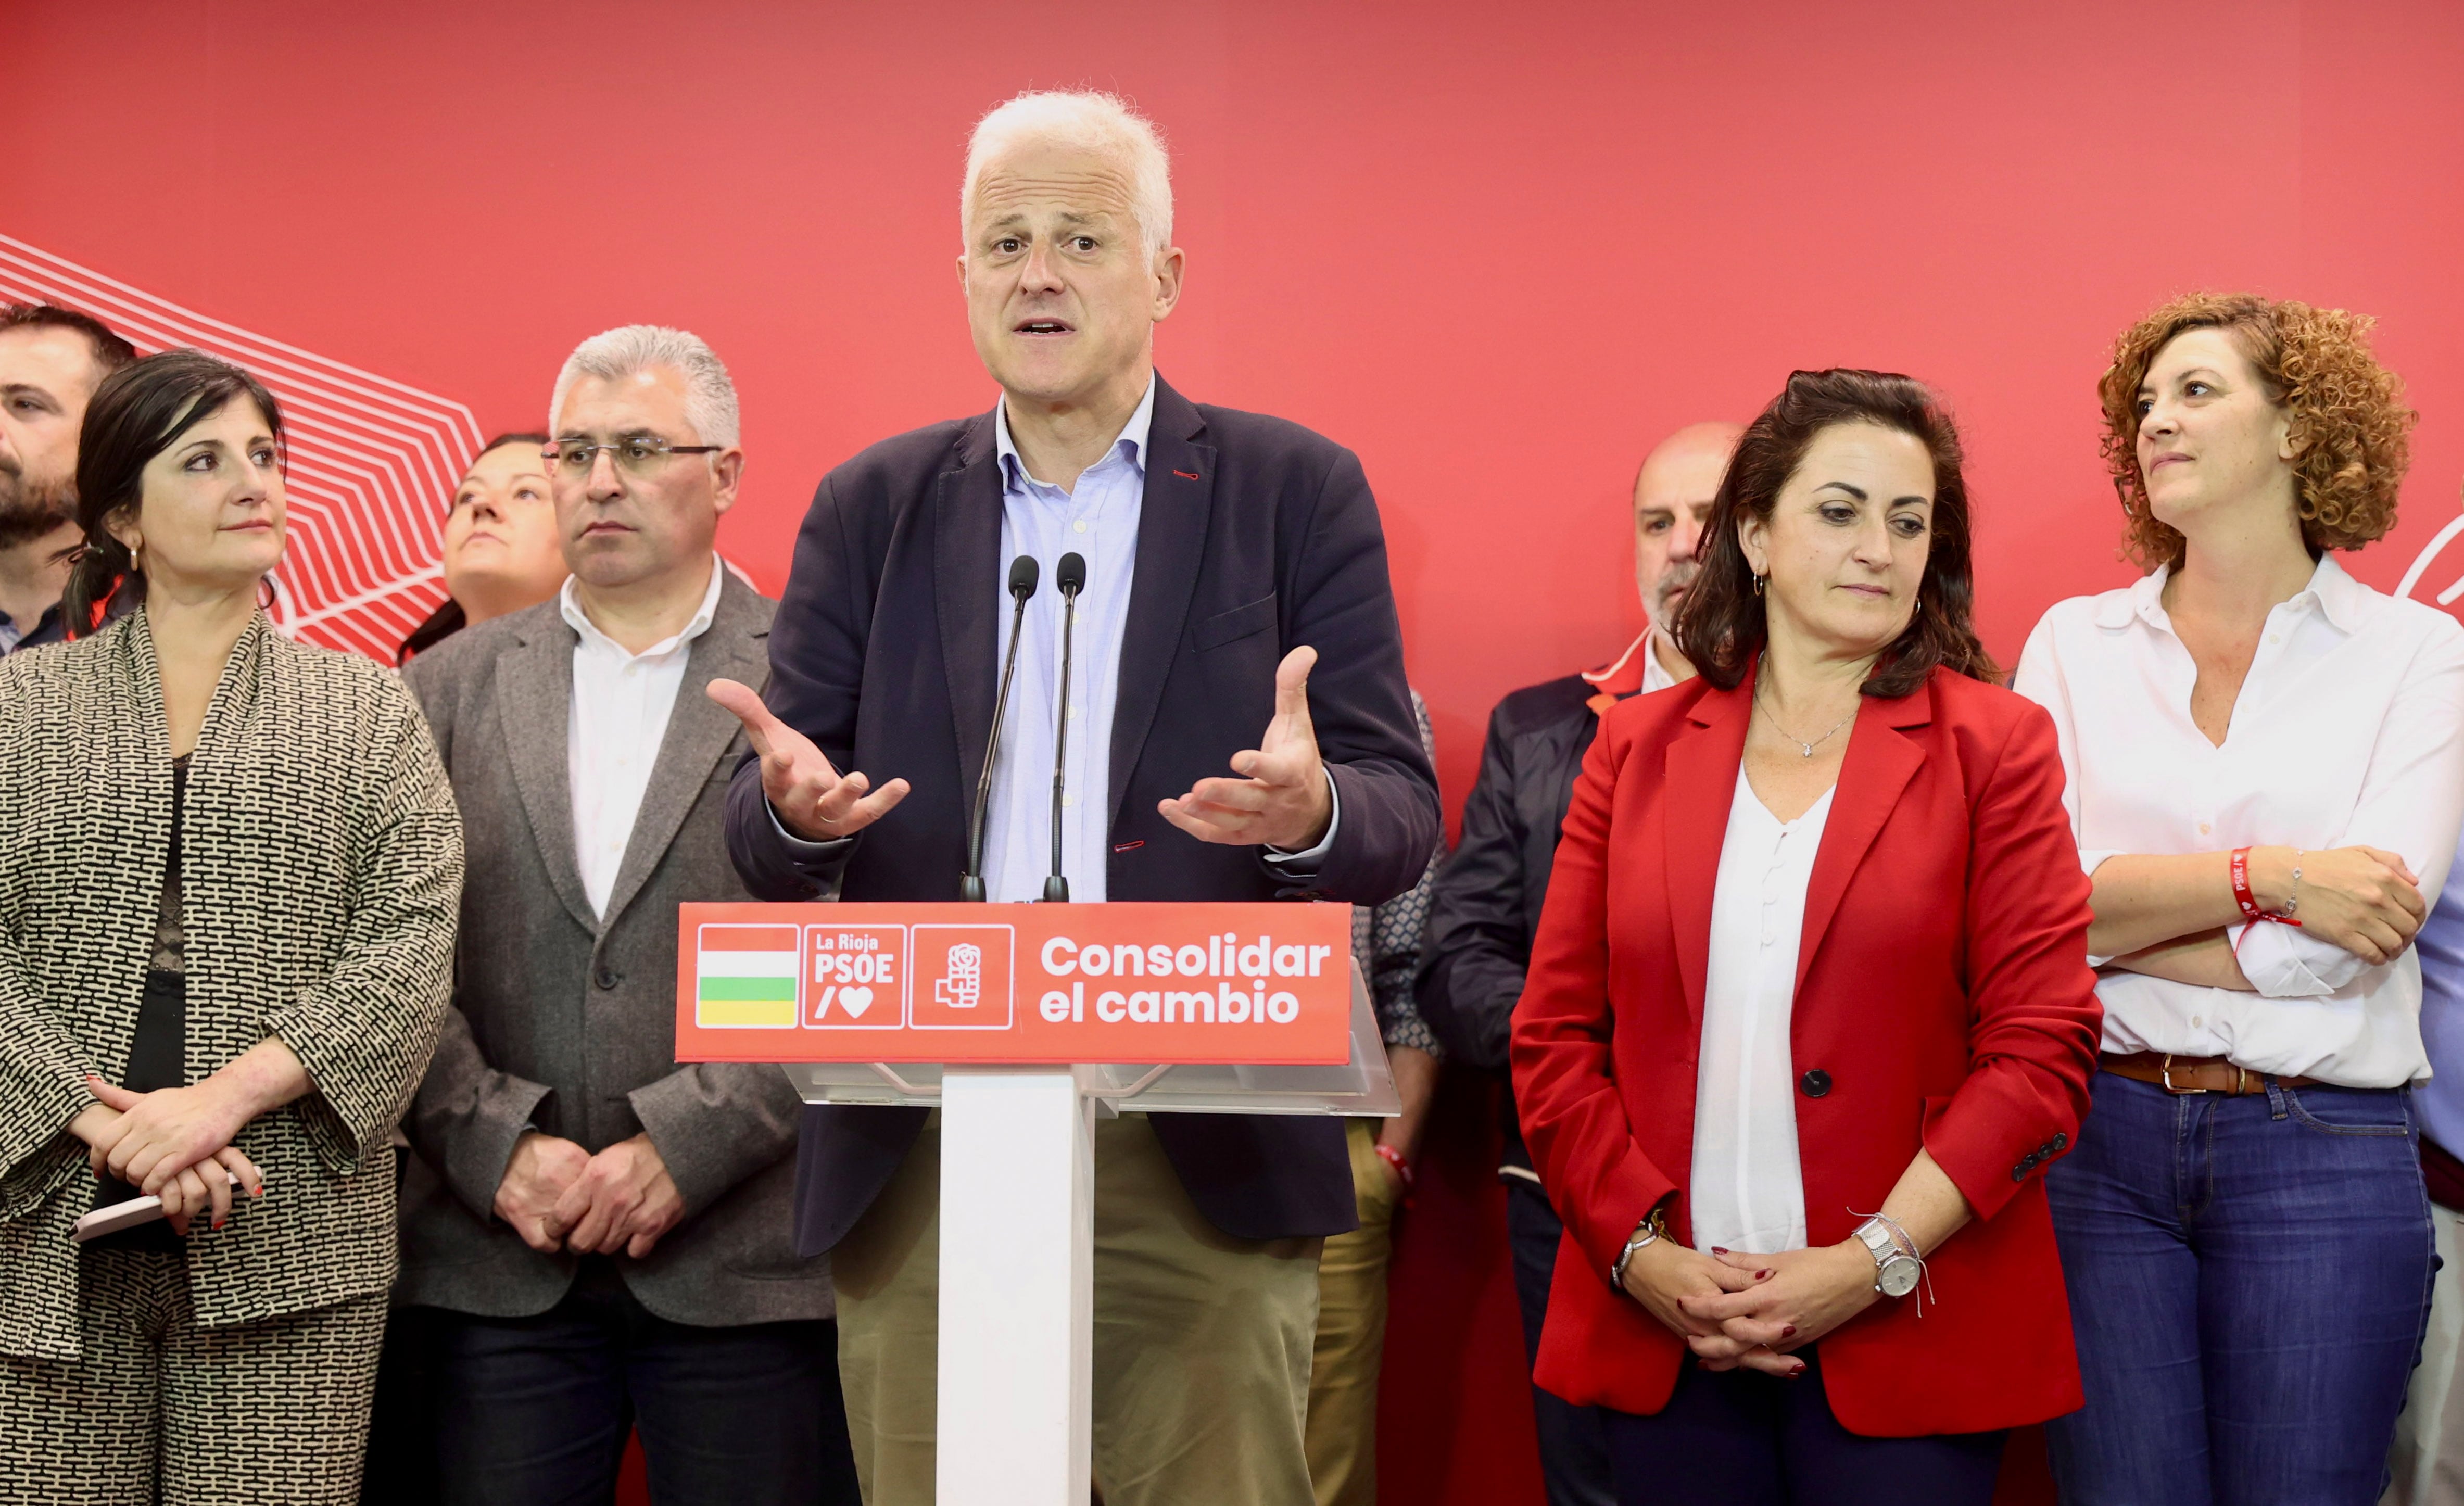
{"type": "Point", "coordinates": [2179, 1075]}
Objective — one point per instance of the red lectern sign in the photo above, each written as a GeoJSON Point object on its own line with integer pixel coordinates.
{"type": "Point", "coordinates": [1265, 984]}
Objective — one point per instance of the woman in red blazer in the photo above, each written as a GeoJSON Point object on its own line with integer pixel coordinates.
{"type": "Point", "coordinates": [1787, 1036]}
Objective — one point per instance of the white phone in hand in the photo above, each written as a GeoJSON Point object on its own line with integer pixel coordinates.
{"type": "Point", "coordinates": [127, 1215]}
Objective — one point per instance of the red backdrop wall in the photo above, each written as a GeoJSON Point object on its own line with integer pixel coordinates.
{"type": "Point", "coordinates": [1496, 249]}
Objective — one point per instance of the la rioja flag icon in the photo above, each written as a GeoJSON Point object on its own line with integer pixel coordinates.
{"type": "Point", "coordinates": [746, 977]}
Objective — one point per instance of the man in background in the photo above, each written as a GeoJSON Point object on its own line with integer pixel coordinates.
{"type": "Point", "coordinates": [603, 1236]}
{"type": "Point", "coordinates": [1485, 905]}
{"type": "Point", "coordinates": [51, 360]}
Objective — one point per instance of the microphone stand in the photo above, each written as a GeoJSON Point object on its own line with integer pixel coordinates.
{"type": "Point", "coordinates": [1023, 572]}
{"type": "Point", "coordinates": [1071, 576]}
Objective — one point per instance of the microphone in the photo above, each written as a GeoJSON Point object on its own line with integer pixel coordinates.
{"type": "Point", "coordinates": [1023, 572]}
{"type": "Point", "coordinates": [1071, 576]}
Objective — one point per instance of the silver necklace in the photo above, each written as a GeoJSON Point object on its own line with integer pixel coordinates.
{"type": "Point", "coordinates": [1802, 746]}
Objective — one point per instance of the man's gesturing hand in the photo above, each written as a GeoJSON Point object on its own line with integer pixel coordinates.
{"type": "Point", "coordinates": [1283, 800]}
{"type": "Point", "coordinates": [623, 1200]}
{"type": "Point", "coordinates": [812, 799]}
{"type": "Point", "coordinates": [542, 1169]}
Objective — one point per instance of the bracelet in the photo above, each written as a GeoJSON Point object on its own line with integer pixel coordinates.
{"type": "Point", "coordinates": [1653, 1228]}
{"type": "Point", "coordinates": [1395, 1158]}
{"type": "Point", "coordinates": [2238, 866]}
{"type": "Point", "coordinates": [2293, 900]}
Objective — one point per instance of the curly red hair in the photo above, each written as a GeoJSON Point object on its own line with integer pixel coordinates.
{"type": "Point", "coordinates": [2351, 433]}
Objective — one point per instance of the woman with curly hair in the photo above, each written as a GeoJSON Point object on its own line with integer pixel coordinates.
{"type": "Point", "coordinates": [2266, 776]}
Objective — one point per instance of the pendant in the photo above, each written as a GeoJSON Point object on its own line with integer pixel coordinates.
{"type": "Point", "coordinates": [1805, 748]}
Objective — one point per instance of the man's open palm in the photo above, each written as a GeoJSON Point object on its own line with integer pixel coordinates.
{"type": "Point", "coordinates": [813, 800]}
{"type": "Point", "coordinates": [1282, 799]}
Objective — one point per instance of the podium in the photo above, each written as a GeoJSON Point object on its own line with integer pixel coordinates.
{"type": "Point", "coordinates": [1022, 1023]}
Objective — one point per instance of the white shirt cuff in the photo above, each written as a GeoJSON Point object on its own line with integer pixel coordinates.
{"type": "Point", "coordinates": [2284, 963]}
{"type": "Point", "coordinates": [1304, 864]}
{"type": "Point", "coordinates": [800, 848]}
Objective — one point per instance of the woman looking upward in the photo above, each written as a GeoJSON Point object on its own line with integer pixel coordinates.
{"type": "Point", "coordinates": [2266, 763]}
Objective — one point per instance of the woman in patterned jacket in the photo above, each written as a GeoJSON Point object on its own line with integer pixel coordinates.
{"type": "Point", "coordinates": [230, 868]}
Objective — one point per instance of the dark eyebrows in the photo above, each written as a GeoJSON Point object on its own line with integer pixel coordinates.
{"type": "Point", "coordinates": [28, 389]}
{"type": "Point", "coordinates": [1859, 492]}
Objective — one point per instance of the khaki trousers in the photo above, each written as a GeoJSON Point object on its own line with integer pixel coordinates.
{"type": "Point", "coordinates": [157, 1408]}
{"type": "Point", "coordinates": [2427, 1460]}
{"type": "Point", "coordinates": [1201, 1354]}
{"type": "Point", "coordinates": [1352, 1334]}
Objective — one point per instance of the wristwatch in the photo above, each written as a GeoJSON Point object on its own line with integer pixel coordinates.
{"type": "Point", "coordinates": [1896, 1267]}
{"type": "Point", "coordinates": [1653, 1228]}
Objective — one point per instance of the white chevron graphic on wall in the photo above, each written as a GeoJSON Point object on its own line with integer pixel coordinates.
{"type": "Point", "coordinates": [372, 468]}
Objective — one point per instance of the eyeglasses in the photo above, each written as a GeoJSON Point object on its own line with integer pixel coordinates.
{"type": "Point", "coordinates": [636, 454]}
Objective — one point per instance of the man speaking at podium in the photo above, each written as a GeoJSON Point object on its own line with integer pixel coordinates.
{"type": "Point", "coordinates": [1239, 730]}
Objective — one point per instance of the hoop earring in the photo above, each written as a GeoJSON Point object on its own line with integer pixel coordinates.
{"type": "Point", "coordinates": [265, 595]}
{"type": "Point", "coordinates": [1758, 585]}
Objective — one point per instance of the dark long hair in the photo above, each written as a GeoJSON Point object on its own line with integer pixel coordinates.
{"type": "Point", "coordinates": [1721, 625]}
{"type": "Point", "coordinates": [140, 411]}
{"type": "Point", "coordinates": [449, 618]}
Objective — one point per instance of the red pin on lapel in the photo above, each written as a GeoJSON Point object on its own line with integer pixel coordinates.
{"type": "Point", "coordinates": [1188, 475]}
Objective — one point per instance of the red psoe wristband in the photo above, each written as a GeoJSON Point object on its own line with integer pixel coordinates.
{"type": "Point", "coordinates": [1395, 1158]}
{"type": "Point", "coordinates": [2239, 867]}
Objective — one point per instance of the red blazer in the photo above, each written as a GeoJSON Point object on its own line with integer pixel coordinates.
{"type": "Point", "coordinates": [1942, 984]}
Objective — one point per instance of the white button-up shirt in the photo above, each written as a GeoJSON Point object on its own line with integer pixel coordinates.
{"type": "Point", "coordinates": [617, 720]}
{"type": "Point", "coordinates": [1747, 1190]}
{"type": "Point", "coordinates": [2349, 731]}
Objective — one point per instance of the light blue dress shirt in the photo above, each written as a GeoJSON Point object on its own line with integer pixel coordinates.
{"type": "Point", "coordinates": [1097, 519]}
{"type": "Point", "coordinates": [2440, 946]}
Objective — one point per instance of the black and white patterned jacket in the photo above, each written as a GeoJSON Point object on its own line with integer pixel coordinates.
{"type": "Point", "coordinates": [321, 870]}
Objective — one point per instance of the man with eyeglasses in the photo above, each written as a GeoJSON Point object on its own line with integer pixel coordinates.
{"type": "Point", "coordinates": [600, 1238]}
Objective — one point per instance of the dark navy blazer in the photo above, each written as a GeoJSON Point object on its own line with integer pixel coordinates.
{"type": "Point", "coordinates": [1256, 537]}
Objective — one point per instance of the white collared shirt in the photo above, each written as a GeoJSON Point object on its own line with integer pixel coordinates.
{"type": "Point", "coordinates": [618, 719]}
{"type": "Point", "coordinates": [1747, 1190]}
{"type": "Point", "coordinates": [2349, 731]}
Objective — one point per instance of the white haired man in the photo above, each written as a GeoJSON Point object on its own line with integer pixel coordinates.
{"type": "Point", "coordinates": [1237, 619]}
{"type": "Point", "coordinates": [600, 1235]}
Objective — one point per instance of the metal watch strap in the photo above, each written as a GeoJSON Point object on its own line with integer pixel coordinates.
{"type": "Point", "coordinates": [1649, 1231]}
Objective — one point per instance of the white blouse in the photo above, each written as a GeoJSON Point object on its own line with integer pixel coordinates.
{"type": "Point", "coordinates": [1747, 1190]}
{"type": "Point", "coordinates": [2349, 731]}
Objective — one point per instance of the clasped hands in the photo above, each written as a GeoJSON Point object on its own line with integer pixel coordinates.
{"type": "Point", "coordinates": [1736, 1310]}
{"type": "Point", "coordinates": [174, 1143]}
{"type": "Point", "coordinates": [1281, 799]}
{"type": "Point", "coordinates": [560, 1197]}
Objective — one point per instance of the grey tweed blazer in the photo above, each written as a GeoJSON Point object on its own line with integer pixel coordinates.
{"type": "Point", "coordinates": [320, 868]}
{"type": "Point", "coordinates": [566, 1021]}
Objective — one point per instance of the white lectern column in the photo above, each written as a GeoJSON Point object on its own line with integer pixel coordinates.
{"type": "Point", "coordinates": [1017, 1221]}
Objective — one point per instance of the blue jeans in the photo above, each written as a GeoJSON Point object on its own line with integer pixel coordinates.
{"type": "Point", "coordinates": [2249, 1278]}
{"type": "Point", "coordinates": [1574, 1455]}
{"type": "Point", "coordinates": [533, 1411]}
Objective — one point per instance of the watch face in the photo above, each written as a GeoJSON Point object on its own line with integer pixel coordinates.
{"type": "Point", "coordinates": [1898, 1278]}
